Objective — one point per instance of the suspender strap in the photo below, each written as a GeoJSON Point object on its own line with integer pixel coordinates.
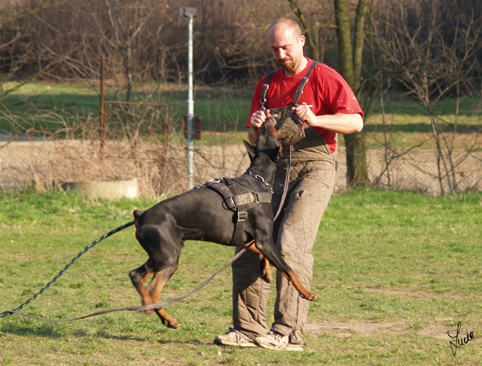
{"type": "Point", "coordinates": [303, 82]}
{"type": "Point", "coordinates": [265, 90]}
{"type": "Point", "coordinates": [299, 91]}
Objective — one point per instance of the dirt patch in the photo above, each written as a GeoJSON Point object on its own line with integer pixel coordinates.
{"type": "Point", "coordinates": [368, 329]}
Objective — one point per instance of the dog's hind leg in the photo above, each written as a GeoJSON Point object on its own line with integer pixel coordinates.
{"type": "Point", "coordinates": [139, 276]}
{"type": "Point", "coordinates": [160, 280]}
{"type": "Point", "coordinates": [155, 288]}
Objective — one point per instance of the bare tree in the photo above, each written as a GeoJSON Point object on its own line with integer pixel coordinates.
{"type": "Point", "coordinates": [350, 51]}
{"type": "Point", "coordinates": [433, 62]}
{"type": "Point", "coordinates": [15, 54]}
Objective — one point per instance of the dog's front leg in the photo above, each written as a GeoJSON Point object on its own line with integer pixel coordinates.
{"type": "Point", "coordinates": [265, 268]}
{"type": "Point", "coordinates": [271, 252]}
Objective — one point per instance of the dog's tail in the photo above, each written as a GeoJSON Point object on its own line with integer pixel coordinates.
{"type": "Point", "coordinates": [137, 215]}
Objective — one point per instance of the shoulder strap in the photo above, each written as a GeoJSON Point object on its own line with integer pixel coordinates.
{"type": "Point", "coordinates": [303, 82]}
{"type": "Point", "coordinates": [299, 91]}
{"type": "Point", "coordinates": [265, 90]}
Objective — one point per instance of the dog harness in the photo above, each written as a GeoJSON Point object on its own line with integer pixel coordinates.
{"type": "Point", "coordinates": [237, 199]}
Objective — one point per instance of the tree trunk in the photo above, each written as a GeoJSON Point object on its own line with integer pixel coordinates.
{"type": "Point", "coordinates": [350, 66]}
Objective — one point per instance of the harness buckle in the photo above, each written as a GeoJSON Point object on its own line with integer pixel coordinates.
{"type": "Point", "coordinates": [242, 215]}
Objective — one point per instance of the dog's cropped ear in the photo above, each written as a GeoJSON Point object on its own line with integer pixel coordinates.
{"type": "Point", "coordinates": [250, 150]}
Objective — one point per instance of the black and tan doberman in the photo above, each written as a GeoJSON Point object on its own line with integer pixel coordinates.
{"type": "Point", "coordinates": [232, 212]}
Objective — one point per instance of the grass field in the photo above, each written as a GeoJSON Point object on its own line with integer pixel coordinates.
{"type": "Point", "coordinates": [220, 109]}
{"type": "Point", "coordinates": [394, 273]}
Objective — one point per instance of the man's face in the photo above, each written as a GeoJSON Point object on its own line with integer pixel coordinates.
{"type": "Point", "coordinates": [287, 48]}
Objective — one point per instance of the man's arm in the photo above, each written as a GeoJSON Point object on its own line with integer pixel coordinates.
{"type": "Point", "coordinates": [343, 123]}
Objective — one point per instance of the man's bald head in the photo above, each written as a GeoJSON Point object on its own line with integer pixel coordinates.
{"type": "Point", "coordinates": [286, 42]}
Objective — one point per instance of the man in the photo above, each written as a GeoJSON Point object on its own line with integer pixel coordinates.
{"type": "Point", "coordinates": [326, 106]}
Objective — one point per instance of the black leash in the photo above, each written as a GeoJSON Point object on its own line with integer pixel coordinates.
{"type": "Point", "coordinates": [133, 308]}
{"type": "Point", "coordinates": [63, 270]}
{"type": "Point", "coordinates": [16, 311]}
{"type": "Point", "coordinates": [285, 187]}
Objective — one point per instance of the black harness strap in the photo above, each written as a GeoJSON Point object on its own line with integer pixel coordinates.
{"type": "Point", "coordinates": [233, 199]}
{"type": "Point", "coordinates": [237, 202]}
{"type": "Point", "coordinates": [303, 82]}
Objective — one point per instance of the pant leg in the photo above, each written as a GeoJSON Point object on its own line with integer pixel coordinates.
{"type": "Point", "coordinates": [309, 197]}
{"type": "Point", "coordinates": [250, 296]}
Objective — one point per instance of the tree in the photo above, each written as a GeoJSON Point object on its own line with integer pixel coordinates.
{"type": "Point", "coordinates": [430, 48]}
{"type": "Point", "coordinates": [350, 61]}
{"type": "Point", "coordinates": [14, 51]}
{"type": "Point", "coordinates": [350, 58]}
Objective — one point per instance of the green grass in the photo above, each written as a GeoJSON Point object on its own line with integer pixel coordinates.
{"type": "Point", "coordinates": [220, 109]}
{"type": "Point", "coordinates": [394, 272]}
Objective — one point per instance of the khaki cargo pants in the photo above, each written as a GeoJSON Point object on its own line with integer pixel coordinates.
{"type": "Point", "coordinates": [311, 181]}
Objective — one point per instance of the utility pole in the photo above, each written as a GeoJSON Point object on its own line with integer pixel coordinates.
{"type": "Point", "coordinates": [190, 13]}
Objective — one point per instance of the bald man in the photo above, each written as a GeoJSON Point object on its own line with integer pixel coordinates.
{"type": "Point", "coordinates": [325, 106]}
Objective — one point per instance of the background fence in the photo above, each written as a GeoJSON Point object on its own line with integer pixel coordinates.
{"type": "Point", "coordinates": [47, 161]}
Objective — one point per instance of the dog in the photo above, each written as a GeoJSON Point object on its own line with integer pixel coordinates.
{"type": "Point", "coordinates": [235, 212]}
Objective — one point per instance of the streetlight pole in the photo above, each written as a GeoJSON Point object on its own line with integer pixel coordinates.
{"type": "Point", "coordinates": [190, 13]}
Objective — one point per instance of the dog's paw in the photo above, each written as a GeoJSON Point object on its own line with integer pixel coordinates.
{"type": "Point", "coordinates": [173, 324]}
{"type": "Point", "coordinates": [266, 278]}
{"type": "Point", "coordinates": [265, 270]}
{"type": "Point", "coordinates": [311, 297]}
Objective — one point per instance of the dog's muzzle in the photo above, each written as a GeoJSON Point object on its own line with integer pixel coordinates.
{"type": "Point", "coordinates": [289, 127]}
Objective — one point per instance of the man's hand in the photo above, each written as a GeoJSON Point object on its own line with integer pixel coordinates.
{"type": "Point", "coordinates": [304, 113]}
{"type": "Point", "coordinates": [257, 120]}
{"type": "Point", "coordinates": [259, 117]}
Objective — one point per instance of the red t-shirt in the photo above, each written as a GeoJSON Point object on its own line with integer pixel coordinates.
{"type": "Point", "coordinates": [326, 91]}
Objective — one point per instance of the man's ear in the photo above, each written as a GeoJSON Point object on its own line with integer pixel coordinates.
{"type": "Point", "coordinates": [249, 149]}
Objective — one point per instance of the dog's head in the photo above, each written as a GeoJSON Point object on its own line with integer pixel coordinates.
{"type": "Point", "coordinates": [267, 142]}
{"type": "Point", "coordinates": [289, 127]}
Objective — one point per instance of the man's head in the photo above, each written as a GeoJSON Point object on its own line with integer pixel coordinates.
{"type": "Point", "coordinates": [286, 41]}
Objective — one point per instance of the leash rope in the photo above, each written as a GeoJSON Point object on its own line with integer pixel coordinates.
{"type": "Point", "coordinates": [285, 187]}
{"type": "Point", "coordinates": [63, 270]}
{"type": "Point", "coordinates": [135, 308]}
{"type": "Point", "coordinates": [16, 311]}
